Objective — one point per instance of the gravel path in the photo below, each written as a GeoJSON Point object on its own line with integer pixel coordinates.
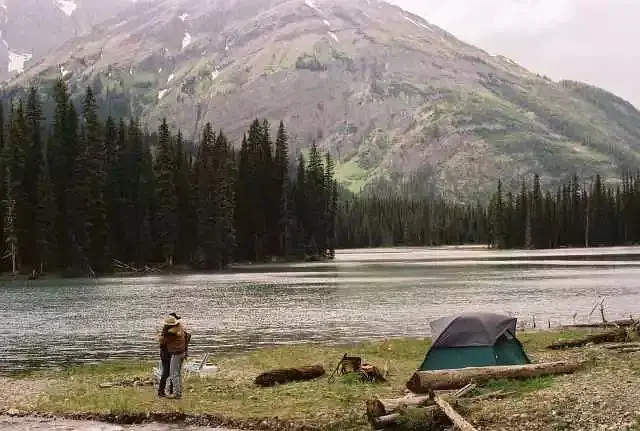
{"type": "Point", "coordinates": [8, 423]}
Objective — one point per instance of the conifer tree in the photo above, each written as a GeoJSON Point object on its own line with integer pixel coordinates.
{"type": "Point", "coordinates": [61, 156]}
{"type": "Point", "coordinates": [3, 182]}
{"type": "Point", "coordinates": [166, 194]}
{"type": "Point", "coordinates": [9, 224]}
{"type": "Point", "coordinates": [113, 147]}
{"type": "Point", "coordinates": [33, 162]}
{"type": "Point", "coordinates": [91, 165]}
{"type": "Point", "coordinates": [281, 195]}
{"type": "Point", "coordinates": [206, 209]}
{"type": "Point", "coordinates": [243, 218]}
{"type": "Point", "coordinates": [185, 231]}
{"type": "Point", "coordinates": [222, 186]}
{"type": "Point", "coordinates": [315, 182]}
{"type": "Point", "coordinates": [16, 160]}
{"type": "Point", "coordinates": [301, 201]}
{"type": "Point", "coordinates": [45, 217]}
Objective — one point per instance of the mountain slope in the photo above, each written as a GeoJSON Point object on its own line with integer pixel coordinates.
{"type": "Point", "coordinates": [385, 91]}
{"type": "Point", "coordinates": [30, 29]}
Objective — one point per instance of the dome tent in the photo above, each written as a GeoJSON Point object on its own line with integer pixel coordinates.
{"type": "Point", "coordinates": [474, 339]}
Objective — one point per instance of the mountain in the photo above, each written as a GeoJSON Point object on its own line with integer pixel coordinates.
{"type": "Point", "coordinates": [30, 29]}
{"type": "Point", "coordinates": [388, 93]}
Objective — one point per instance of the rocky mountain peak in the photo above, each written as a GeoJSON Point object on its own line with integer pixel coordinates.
{"type": "Point", "coordinates": [387, 92]}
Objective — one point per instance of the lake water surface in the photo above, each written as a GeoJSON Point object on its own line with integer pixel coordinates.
{"type": "Point", "coordinates": [363, 294]}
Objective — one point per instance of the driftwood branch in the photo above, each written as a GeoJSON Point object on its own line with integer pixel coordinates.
{"type": "Point", "coordinates": [453, 415]}
{"type": "Point", "coordinates": [622, 346]}
{"type": "Point", "coordinates": [423, 381]}
{"type": "Point", "coordinates": [617, 335]}
{"type": "Point", "coordinates": [614, 324]}
{"type": "Point", "coordinates": [384, 413]}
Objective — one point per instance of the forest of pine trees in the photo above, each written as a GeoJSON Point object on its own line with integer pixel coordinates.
{"type": "Point", "coordinates": [82, 196]}
{"type": "Point", "coordinates": [85, 196]}
{"type": "Point", "coordinates": [577, 214]}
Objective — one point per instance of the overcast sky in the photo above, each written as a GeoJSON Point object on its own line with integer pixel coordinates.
{"type": "Point", "coordinates": [589, 40]}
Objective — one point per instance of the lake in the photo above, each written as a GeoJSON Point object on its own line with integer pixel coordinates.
{"type": "Point", "coordinates": [362, 295]}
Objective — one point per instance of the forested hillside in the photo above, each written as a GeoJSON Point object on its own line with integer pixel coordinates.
{"type": "Point", "coordinates": [582, 212]}
{"type": "Point", "coordinates": [85, 197]}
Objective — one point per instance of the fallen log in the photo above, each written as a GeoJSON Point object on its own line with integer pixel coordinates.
{"type": "Point", "coordinates": [382, 407]}
{"type": "Point", "coordinates": [453, 415]}
{"type": "Point", "coordinates": [617, 335]}
{"type": "Point", "coordinates": [616, 323]}
{"type": "Point", "coordinates": [273, 377]}
{"type": "Point", "coordinates": [622, 346]}
{"type": "Point", "coordinates": [423, 381]}
{"type": "Point", "coordinates": [628, 350]}
{"type": "Point", "coordinates": [379, 407]}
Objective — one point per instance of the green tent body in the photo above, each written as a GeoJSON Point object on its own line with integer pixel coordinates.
{"type": "Point", "coordinates": [474, 340]}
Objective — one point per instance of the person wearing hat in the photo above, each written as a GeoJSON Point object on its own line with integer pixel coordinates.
{"type": "Point", "coordinates": [165, 356]}
{"type": "Point", "coordinates": [176, 341]}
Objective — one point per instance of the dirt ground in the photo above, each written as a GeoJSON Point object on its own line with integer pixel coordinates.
{"type": "Point", "coordinates": [8, 423]}
{"type": "Point", "coordinates": [604, 397]}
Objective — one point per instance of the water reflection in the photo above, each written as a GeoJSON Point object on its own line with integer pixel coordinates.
{"type": "Point", "coordinates": [361, 295]}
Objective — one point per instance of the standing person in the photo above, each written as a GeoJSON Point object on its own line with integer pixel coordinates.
{"type": "Point", "coordinates": [165, 356]}
{"type": "Point", "coordinates": [177, 343]}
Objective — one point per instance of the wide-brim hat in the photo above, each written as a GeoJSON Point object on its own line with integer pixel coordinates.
{"type": "Point", "coordinates": [171, 321]}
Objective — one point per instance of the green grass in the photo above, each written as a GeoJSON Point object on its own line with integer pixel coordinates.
{"type": "Point", "coordinates": [351, 175]}
{"type": "Point", "coordinates": [517, 387]}
{"type": "Point", "coordinates": [231, 392]}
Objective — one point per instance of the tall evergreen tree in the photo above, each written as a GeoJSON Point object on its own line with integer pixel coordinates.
{"type": "Point", "coordinates": [315, 189]}
{"type": "Point", "coordinates": [281, 195]}
{"type": "Point", "coordinates": [45, 217]}
{"type": "Point", "coordinates": [206, 205]}
{"type": "Point", "coordinates": [33, 162]}
{"type": "Point", "coordinates": [16, 164]}
{"type": "Point", "coordinates": [331, 205]}
{"type": "Point", "coordinates": [166, 194]}
{"type": "Point", "coordinates": [185, 220]}
{"type": "Point", "coordinates": [61, 156]}
{"type": "Point", "coordinates": [222, 185]}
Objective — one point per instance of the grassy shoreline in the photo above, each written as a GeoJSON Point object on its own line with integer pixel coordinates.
{"type": "Point", "coordinates": [229, 397]}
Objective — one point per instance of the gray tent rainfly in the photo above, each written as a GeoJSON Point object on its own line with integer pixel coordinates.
{"type": "Point", "coordinates": [474, 339]}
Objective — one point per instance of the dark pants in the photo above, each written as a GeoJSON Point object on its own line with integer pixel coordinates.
{"type": "Point", "coordinates": [166, 365]}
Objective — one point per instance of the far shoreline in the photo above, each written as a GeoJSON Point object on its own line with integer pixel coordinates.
{"type": "Point", "coordinates": [236, 267]}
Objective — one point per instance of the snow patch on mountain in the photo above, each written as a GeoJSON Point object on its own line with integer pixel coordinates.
{"type": "Point", "coordinates": [418, 23]}
{"type": "Point", "coordinates": [16, 61]}
{"type": "Point", "coordinates": [64, 72]}
{"type": "Point", "coordinates": [327, 23]}
{"type": "Point", "coordinates": [170, 78]}
{"type": "Point", "coordinates": [183, 16]}
{"type": "Point", "coordinates": [333, 36]}
{"type": "Point", "coordinates": [215, 74]}
{"type": "Point", "coordinates": [66, 6]}
{"type": "Point", "coordinates": [161, 93]}
{"type": "Point", "coordinates": [4, 42]}
{"type": "Point", "coordinates": [312, 5]}
{"type": "Point", "coordinates": [186, 40]}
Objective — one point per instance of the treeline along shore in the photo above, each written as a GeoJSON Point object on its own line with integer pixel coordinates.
{"type": "Point", "coordinates": [83, 195]}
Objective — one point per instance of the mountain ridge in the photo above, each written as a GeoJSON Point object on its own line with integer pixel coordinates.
{"type": "Point", "coordinates": [385, 91]}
